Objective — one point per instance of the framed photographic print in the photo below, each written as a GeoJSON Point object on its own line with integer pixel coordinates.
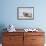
{"type": "Point", "coordinates": [25, 13]}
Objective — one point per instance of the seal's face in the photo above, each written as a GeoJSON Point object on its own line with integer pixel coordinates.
{"type": "Point", "coordinates": [26, 14]}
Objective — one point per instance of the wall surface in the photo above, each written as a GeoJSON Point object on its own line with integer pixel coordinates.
{"type": "Point", "coordinates": [8, 13]}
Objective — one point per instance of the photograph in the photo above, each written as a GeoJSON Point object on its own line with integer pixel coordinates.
{"type": "Point", "coordinates": [25, 13]}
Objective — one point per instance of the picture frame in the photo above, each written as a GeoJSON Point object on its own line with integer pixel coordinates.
{"type": "Point", "coordinates": [25, 13]}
